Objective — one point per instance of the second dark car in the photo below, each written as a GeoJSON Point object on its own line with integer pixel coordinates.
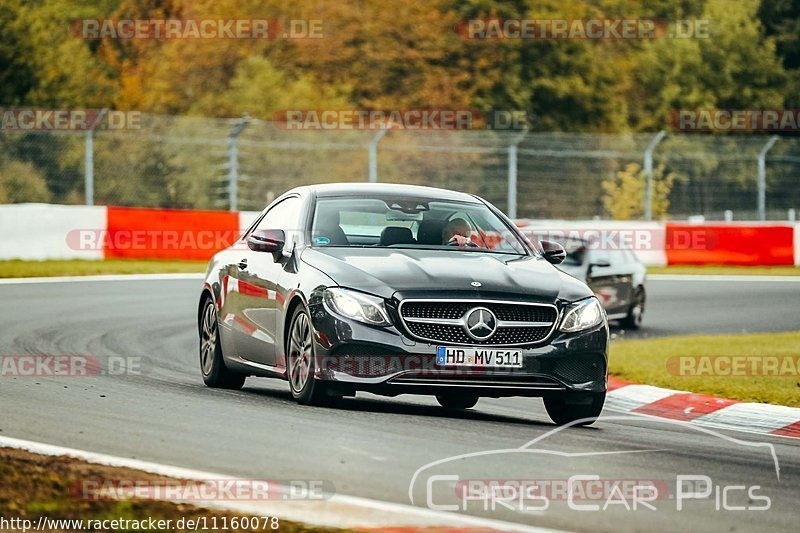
{"type": "Point", "coordinates": [617, 278]}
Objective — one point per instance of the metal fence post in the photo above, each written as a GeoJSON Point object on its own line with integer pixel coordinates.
{"type": "Point", "coordinates": [762, 177]}
{"type": "Point", "coordinates": [373, 154]}
{"type": "Point", "coordinates": [88, 171]}
{"type": "Point", "coordinates": [648, 174]}
{"type": "Point", "coordinates": [233, 161]}
{"type": "Point", "coordinates": [512, 174]}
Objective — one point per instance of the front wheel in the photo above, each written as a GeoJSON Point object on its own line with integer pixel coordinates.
{"type": "Point", "coordinates": [461, 401]}
{"type": "Point", "coordinates": [569, 407]}
{"type": "Point", "coordinates": [300, 362]}
{"type": "Point", "coordinates": [635, 311]}
{"type": "Point", "coordinates": [215, 373]}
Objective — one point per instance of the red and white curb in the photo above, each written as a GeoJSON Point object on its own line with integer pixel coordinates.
{"type": "Point", "coordinates": [703, 410]}
{"type": "Point", "coordinates": [337, 510]}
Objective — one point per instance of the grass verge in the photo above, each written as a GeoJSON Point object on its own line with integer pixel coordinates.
{"type": "Point", "coordinates": [82, 267]}
{"type": "Point", "coordinates": [33, 485]}
{"type": "Point", "coordinates": [656, 362]}
{"type": "Point", "coordinates": [726, 270]}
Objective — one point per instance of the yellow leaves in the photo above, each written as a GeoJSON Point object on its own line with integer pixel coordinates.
{"type": "Point", "coordinates": [625, 193]}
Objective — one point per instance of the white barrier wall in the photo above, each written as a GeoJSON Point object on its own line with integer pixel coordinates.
{"type": "Point", "coordinates": [797, 244]}
{"type": "Point", "coordinates": [39, 231]}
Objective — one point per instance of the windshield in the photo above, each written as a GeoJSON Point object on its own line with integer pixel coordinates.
{"type": "Point", "coordinates": [411, 222]}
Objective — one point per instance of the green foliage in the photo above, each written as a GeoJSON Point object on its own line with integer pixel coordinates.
{"type": "Point", "coordinates": [624, 194]}
{"type": "Point", "coordinates": [736, 67]}
{"type": "Point", "coordinates": [22, 182]}
{"type": "Point", "coordinates": [406, 56]}
{"type": "Point", "coordinates": [260, 90]}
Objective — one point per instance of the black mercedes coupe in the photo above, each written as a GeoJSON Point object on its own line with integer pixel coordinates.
{"type": "Point", "coordinates": [397, 289]}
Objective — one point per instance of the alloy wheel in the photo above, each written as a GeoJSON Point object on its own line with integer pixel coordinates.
{"type": "Point", "coordinates": [208, 338]}
{"type": "Point", "coordinates": [300, 353]}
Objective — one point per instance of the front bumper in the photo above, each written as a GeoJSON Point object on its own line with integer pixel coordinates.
{"type": "Point", "coordinates": [385, 360]}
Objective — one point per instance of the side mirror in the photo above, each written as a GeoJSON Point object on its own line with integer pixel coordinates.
{"type": "Point", "coordinates": [553, 252]}
{"type": "Point", "coordinates": [267, 240]}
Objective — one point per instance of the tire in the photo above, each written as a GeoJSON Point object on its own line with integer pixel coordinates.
{"type": "Point", "coordinates": [300, 362]}
{"type": "Point", "coordinates": [636, 310]}
{"type": "Point", "coordinates": [462, 401]}
{"type": "Point", "coordinates": [212, 365]}
{"type": "Point", "coordinates": [566, 409]}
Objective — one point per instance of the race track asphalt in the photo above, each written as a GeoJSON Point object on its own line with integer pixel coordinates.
{"type": "Point", "coordinates": [372, 446]}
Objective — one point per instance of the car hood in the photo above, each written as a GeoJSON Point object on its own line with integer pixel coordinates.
{"type": "Point", "coordinates": [386, 271]}
{"type": "Point", "coordinates": [574, 270]}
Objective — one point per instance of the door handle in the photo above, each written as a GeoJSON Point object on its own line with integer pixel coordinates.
{"type": "Point", "coordinates": [243, 264]}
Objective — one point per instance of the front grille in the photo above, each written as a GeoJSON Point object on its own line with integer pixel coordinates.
{"type": "Point", "coordinates": [422, 319]}
{"type": "Point", "coordinates": [454, 309]}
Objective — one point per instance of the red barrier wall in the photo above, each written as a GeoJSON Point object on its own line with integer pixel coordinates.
{"type": "Point", "coordinates": [729, 244]}
{"type": "Point", "coordinates": [168, 233]}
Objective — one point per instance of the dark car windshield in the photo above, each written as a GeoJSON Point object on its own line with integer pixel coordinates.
{"type": "Point", "coordinates": [411, 222]}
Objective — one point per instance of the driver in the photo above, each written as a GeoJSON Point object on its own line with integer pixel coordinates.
{"type": "Point", "coordinates": [456, 233]}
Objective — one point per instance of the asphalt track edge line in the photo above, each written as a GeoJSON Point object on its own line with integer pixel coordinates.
{"type": "Point", "coordinates": [335, 511]}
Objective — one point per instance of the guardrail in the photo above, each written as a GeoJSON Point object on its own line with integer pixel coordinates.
{"type": "Point", "coordinates": [48, 231]}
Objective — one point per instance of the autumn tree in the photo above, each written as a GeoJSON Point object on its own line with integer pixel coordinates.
{"type": "Point", "coordinates": [624, 195]}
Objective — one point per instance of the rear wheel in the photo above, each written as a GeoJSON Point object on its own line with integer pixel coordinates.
{"type": "Point", "coordinates": [567, 408]}
{"type": "Point", "coordinates": [212, 365]}
{"type": "Point", "coordinates": [460, 401]}
{"type": "Point", "coordinates": [636, 310]}
{"type": "Point", "coordinates": [300, 362]}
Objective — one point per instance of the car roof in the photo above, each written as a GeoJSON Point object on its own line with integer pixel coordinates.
{"type": "Point", "coordinates": [356, 189]}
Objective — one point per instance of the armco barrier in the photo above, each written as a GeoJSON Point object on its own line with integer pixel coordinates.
{"type": "Point", "coordinates": [45, 231]}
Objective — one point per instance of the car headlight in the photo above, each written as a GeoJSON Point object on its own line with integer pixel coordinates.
{"type": "Point", "coordinates": [357, 305]}
{"type": "Point", "coordinates": [582, 315]}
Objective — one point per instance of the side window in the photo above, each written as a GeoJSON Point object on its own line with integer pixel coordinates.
{"type": "Point", "coordinates": [282, 216]}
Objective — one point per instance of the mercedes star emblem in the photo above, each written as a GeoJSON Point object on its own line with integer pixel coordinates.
{"type": "Point", "coordinates": [481, 323]}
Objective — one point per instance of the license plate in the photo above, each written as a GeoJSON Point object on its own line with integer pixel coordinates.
{"type": "Point", "coordinates": [478, 357]}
